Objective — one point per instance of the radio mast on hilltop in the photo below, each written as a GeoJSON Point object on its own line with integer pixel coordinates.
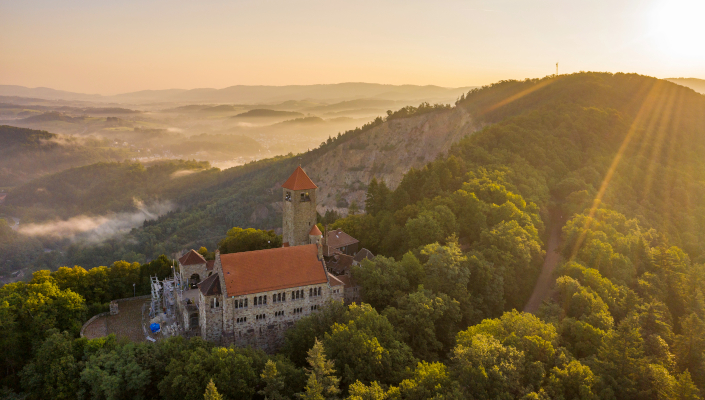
{"type": "Point", "coordinates": [556, 69]}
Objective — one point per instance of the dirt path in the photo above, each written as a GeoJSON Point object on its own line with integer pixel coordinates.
{"type": "Point", "coordinates": [544, 285]}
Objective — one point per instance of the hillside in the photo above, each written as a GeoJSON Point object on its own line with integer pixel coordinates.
{"type": "Point", "coordinates": [387, 152]}
{"type": "Point", "coordinates": [103, 188]}
{"type": "Point", "coordinates": [26, 154]}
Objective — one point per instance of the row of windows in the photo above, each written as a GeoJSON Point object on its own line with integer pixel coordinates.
{"type": "Point", "coordinates": [298, 310]}
{"type": "Point", "coordinates": [314, 307]}
{"type": "Point", "coordinates": [279, 313]}
{"type": "Point", "coordinates": [260, 316]}
{"type": "Point", "coordinates": [242, 320]}
{"type": "Point", "coordinates": [276, 298]}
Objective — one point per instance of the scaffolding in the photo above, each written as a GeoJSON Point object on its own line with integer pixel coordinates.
{"type": "Point", "coordinates": [166, 297]}
{"type": "Point", "coordinates": [156, 297]}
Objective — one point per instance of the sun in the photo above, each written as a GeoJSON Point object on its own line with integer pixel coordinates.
{"type": "Point", "coordinates": [678, 28]}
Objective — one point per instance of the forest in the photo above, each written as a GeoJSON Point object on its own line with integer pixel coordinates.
{"type": "Point", "coordinates": [614, 160]}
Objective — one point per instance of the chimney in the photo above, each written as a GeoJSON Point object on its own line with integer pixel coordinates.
{"type": "Point", "coordinates": [320, 250]}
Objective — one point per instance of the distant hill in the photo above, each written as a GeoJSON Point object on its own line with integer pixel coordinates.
{"type": "Point", "coordinates": [694, 83]}
{"type": "Point", "coordinates": [46, 93]}
{"type": "Point", "coordinates": [302, 121]}
{"type": "Point", "coordinates": [265, 113]}
{"type": "Point", "coordinates": [51, 116]}
{"type": "Point", "coordinates": [26, 154]}
{"type": "Point", "coordinates": [221, 108]}
{"type": "Point", "coordinates": [104, 187]}
{"type": "Point", "coordinates": [243, 94]}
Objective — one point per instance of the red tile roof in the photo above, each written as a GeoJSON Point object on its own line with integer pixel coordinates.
{"type": "Point", "coordinates": [299, 181]}
{"type": "Point", "coordinates": [315, 231]}
{"type": "Point", "coordinates": [272, 269]}
{"type": "Point", "coordinates": [192, 258]}
{"type": "Point", "coordinates": [337, 239]}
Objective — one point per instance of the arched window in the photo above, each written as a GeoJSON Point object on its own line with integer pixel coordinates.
{"type": "Point", "coordinates": [310, 292]}
{"type": "Point", "coordinates": [319, 291]}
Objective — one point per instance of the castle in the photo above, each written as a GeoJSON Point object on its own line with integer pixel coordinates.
{"type": "Point", "coordinates": [251, 298]}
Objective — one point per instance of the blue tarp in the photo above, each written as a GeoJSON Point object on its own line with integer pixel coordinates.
{"type": "Point", "coordinates": [155, 328]}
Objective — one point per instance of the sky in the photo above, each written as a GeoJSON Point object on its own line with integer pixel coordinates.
{"type": "Point", "coordinates": [118, 46]}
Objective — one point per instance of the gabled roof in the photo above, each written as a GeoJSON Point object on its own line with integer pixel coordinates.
{"type": "Point", "coordinates": [192, 258]}
{"type": "Point", "coordinates": [340, 264]}
{"type": "Point", "coordinates": [272, 269]}
{"type": "Point", "coordinates": [315, 231]}
{"type": "Point", "coordinates": [299, 181]}
{"type": "Point", "coordinates": [364, 254]}
{"type": "Point", "coordinates": [334, 281]}
{"type": "Point", "coordinates": [337, 239]}
{"type": "Point", "coordinates": [210, 286]}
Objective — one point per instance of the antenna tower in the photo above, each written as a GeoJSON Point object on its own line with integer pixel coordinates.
{"type": "Point", "coordinates": [556, 69]}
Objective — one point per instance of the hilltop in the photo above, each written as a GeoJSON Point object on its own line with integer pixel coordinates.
{"type": "Point", "coordinates": [696, 84]}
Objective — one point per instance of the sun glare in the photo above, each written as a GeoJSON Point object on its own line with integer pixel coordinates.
{"type": "Point", "coordinates": [678, 28]}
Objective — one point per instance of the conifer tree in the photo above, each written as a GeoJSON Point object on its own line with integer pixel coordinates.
{"type": "Point", "coordinates": [684, 388]}
{"type": "Point", "coordinates": [371, 200]}
{"type": "Point", "coordinates": [212, 392]}
{"type": "Point", "coordinates": [273, 381]}
{"type": "Point", "coordinates": [322, 384]}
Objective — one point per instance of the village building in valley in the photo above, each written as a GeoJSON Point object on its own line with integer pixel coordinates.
{"type": "Point", "coordinates": [251, 298]}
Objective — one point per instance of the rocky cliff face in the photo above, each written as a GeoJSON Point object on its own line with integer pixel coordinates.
{"type": "Point", "coordinates": [386, 152]}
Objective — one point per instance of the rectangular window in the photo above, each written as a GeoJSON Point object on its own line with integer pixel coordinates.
{"type": "Point", "coordinates": [245, 302]}
{"type": "Point", "coordinates": [265, 299]}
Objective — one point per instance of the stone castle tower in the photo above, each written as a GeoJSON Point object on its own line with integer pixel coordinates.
{"type": "Point", "coordinates": [299, 209]}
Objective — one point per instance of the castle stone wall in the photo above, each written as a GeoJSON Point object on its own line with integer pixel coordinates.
{"type": "Point", "coordinates": [210, 318]}
{"type": "Point", "coordinates": [266, 332]}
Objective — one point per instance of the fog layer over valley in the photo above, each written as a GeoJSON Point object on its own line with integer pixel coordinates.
{"type": "Point", "coordinates": [226, 127]}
